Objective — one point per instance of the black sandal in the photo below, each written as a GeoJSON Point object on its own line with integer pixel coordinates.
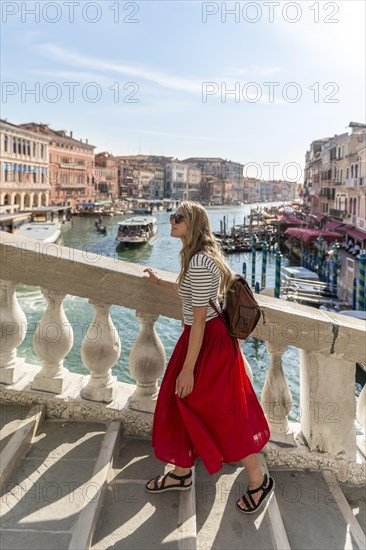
{"type": "Point", "coordinates": [175, 487]}
{"type": "Point", "coordinates": [253, 506]}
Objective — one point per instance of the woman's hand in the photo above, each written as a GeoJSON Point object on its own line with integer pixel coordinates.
{"type": "Point", "coordinates": [153, 277]}
{"type": "Point", "coordinates": [184, 383]}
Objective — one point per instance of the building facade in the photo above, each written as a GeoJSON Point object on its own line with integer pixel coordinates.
{"type": "Point", "coordinates": [71, 166]}
{"type": "Point", "coordinates": [225, 176]}
{"type": "Point", "coordinates": [106, 180]}
{"type": "Point", "coordinates": [24, 174]}
{"type": "Point", "coordinates": [335, 173]}
{"type": "Point", "coordinates": [176, 180]}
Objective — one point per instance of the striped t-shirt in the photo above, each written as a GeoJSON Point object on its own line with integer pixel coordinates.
{"type": "Point", "coordinates": [201, 283]}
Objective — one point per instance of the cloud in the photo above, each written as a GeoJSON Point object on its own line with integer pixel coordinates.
{"type": "Point", "coordinates": [167, 81]}
{"type": "Point", "coordinates": [179, 136]}
{"type": "Point", "coordinates": [78, 60]}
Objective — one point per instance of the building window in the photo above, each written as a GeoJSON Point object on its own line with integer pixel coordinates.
{"type": "Point", "coordinates": [14, 145]}
{"type": "Point", "coordinates": [352, 171]}
{"type": "Point", "coordinates": [28, 149]}
{"type": "Point", "coordinates": [42, 151]}
{"type": "Point", "coordinates": [10, 174]}
{"type": "Point", "coordinates": [356, 170]}
{"type": "Point", "coordinates": [35, 175]}
{"type": "Point", "coordinates": [5, 143]}
{"type": "Point", "coordinates": [19, 147]}
{"type": "Point", "coordinates": [24, 148]}
{"type": "Point", "coordinates": [34, 149]}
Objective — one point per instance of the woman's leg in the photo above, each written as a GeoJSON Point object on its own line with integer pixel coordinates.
{"type": "Point", "coordinates": [178, 471]}
{"type": "Point", "coordinates": [255, 477]}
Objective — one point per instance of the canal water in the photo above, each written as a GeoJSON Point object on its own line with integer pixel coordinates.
{"type": "Point", "coordinates": [162, 254]}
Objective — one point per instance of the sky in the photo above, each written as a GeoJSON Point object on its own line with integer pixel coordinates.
{"type": "Point", "coordinates": [154, 77]}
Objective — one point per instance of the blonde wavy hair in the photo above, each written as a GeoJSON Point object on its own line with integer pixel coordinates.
{"type": "Point", "coordinates": [199, 238]}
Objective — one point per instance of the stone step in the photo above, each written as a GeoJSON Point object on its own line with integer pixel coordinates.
{"type": "Point", "coordinates": [314, 511]}
{"type": "Point", "coordinates": [59, 481]}
{"type": "Point", "coordinates": [11, 418]}
{"type": "Point", "coordinates": [356, 498]}
{"type": "Point", "coordinates": [220, 525]}
{"type": "Point", "coordinates": [18, 425]}
{"type": "Point", "coordinates": [135, 519]}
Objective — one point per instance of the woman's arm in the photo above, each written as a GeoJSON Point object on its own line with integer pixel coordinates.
{"type": "Point", "coordinates": [167, 284]}
{"type": "Point", "coordinates": [185, 380]}
{"type": "Point", "coordinates": [154, 279]}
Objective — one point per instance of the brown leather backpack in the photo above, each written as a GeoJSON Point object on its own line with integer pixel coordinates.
{"type": "Point", "coordinates": [240, 310]}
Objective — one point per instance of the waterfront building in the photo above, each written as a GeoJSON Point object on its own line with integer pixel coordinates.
{"type": "Point", "coordinates": [352, 180]}
{"type": "Point", "coordinates": [145, 182]}
{"type": "Point", "coordinates": [131, 183]}
{"type": "Point", "coordinates": [229, 173]}
{"type": "Point", "coordinates": [24, 176]}
{"type": "Point", "coordinates": [71, 166]}
{"type": "Point", "coordinates": [250, 189]}
{"type": "Point", "coordinates": [105, 177]}
{"type": "Point", "coordinates": [194, 183]}
{"type": "Point", "coordinates": [127, 180]}
{"type": "Point", "coordinates": [176, 180]}
{"type": "Point", "coordinates": [313, 199]}
{"type": "Point", "coordinates": [335, 185]}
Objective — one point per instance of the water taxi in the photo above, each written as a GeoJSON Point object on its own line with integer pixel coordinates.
{"type": "Point", "coordinates": [48, 232]}
{"type": "Point", "coordinates": [42, 224]}
{"type": "Point", "coordinates": [137, 230]}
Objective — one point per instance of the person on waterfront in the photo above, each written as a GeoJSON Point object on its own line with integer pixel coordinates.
{"type": "Point", "coordinates": [207, 407]}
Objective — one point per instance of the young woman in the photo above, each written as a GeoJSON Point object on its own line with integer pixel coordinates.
{"type": "Point", "coordinates": [206, 407]}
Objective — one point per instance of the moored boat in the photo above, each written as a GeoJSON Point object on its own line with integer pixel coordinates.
{"type": "Point", "coordinates": [137, 230]}
{"type": "Point", "coordinates": [48, 232]}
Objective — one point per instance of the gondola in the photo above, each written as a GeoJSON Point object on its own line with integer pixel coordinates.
{"type": "Point", "coordinates": [100, 228]}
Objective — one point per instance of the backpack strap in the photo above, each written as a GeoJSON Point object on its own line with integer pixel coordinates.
{"type": "Point", "coordinates": [212, 304]}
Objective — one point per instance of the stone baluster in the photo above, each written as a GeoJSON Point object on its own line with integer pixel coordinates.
{"type": "Point", "coordinates": [361, 417]}
{"type": "Point", "coordinates": [328, 405]}
{"type": "Point", "coordinates": [52, 341]}
{"type": "Point", "coordinates": [13, 323]}
{"type": "Point", "coordinates": [100, 351]}
{"type": "Point", "coordinates": [147, 364]}
{"type": "Point", "coordinates": [276, 397]}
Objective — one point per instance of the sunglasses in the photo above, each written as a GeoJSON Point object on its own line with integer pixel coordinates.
{"type": "Point", "coordinates": [176, 217]}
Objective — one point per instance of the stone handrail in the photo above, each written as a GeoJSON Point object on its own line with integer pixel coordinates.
{"type": "Point", "coordinates": [330, 344]}
{"type": "Point", "coordinates": [113, 281]}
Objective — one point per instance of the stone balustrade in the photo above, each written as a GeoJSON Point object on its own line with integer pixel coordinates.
{"type": "Point", "coordinates": [329, 344]}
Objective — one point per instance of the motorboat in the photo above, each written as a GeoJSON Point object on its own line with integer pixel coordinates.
{"type": "Point", "coordinates": [137, 230]}
{"type": "Point", "coordinates": [303, 286]}
{"type": "Point", "coordinates": [48, 232]}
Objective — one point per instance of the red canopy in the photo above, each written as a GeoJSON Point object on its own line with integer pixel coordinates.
{"type": "Point", "coordinates": [308, 236]}
{"type": "Point", "coordinates": [330, 226]}
{"type": "Point", "coordinates": [357, 234]}
{"type": "Point", "coordinates": [345, 228]}
{"type": "Point", "coordinates": [290, 220]}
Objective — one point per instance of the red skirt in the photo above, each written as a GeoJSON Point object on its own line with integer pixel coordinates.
{"type": "Point", "coordinates": [221, 420]}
